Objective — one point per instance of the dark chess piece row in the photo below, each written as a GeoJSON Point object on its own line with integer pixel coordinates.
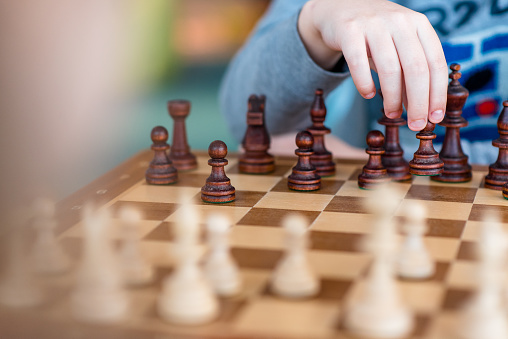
{"type": "Point", "coordinates": [167, 160]}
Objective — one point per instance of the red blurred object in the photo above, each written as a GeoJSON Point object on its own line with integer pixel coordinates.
{"type": "Point", "coordinates": [487, 108]}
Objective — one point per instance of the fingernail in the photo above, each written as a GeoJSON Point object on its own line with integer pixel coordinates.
{"type": "Point", "coordinates": [392, 115]}
{"type": "Point", "coordinates": [418, 124]}
{"type": "Point", "coordinates": [370, 95]}
{"type": "Point", "coordinates": [437, 115]}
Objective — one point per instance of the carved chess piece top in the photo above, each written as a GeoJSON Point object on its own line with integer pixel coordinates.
{"type": "Point", "coordinates": [456, 166]}
{"type": "Point", "coordinates": [321, 159]}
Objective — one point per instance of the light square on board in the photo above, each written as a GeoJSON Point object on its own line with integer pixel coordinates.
{"type": "Point", "coordinates": [473, 229]}
{"type": "Point", "coordinates": [422, 296]}
{"type": "Point", "coordinates": [463, 275]}
{"type": "Point", "coordinates": [294, 201]}
{"type": "Point", "coordinates": [339, 265]}
{"type": "Point", "coordinates": [442, 249]}
{"type": "Point", "coordinates": [486, 196]}
{"type": "Point", "coordinates": [342, 172]}
{"type": "Point", "coordinates": [115, 229]}
{"type": "Point", "coordinates": [246, 182]}
{"type": "Point", "coordinates": [257, 237]}
{"type": "Point", "coordinates": [276, 317]}
{"type": "Point", "coordinates": [161, 194]}
{"type": "Point", "coordinates": [440, 209]}
{"type": "Point", "coordinates": [350, 188]}
{"type": "Point", "coordinates": [343, 222]}
{"type": "Point", "coordinates": [427, 181]}
{"type": "Point", "coordinates": [281, 169]}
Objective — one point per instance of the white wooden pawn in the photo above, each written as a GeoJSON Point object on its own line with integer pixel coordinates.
{"type": "Point", "coordinates": [485, 314]}
{"type": "Point", "coordinates": [414, 261]}
{"type": "Point", "coordinates": [98, 296]}
{"type": "Point", "coordinates": [219, 266]}
{"type": "Point", "coordinates": [136, 271]}
{"type": "Point", "coordinates": [47, 254]}
{"type": "Point", "coordinates": [379, 311]}
{"type": "Point", "coordinates": [293, 276]}
{"type": "Point", "coordinates": [187, 297]}
{"type": "Point", "coordinates": [17, 286]}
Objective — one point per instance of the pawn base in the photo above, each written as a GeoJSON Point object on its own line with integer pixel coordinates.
{"type": "Point", "coordinates": [325, 167]}
{"type": "Point", "coordinates": [184, 162]}
{"type": "Point", "coordinates": [161, 175]}
{"type": "Point", "coordinates": [256, 165]}
{"type": "Point", "coordinates": [372, 178]}
{"type": "Point", "coordinates": [214, 194]}
{"type": "Point", "coordinates": [505, 191]}
{"type": "Point", "coordinates": [426, 167]}
{"type": "Point", "coordinates": [303, 181]}
{"type": "Point", "coordinates": [496, 178]}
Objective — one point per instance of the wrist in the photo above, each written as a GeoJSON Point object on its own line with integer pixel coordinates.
{"type": "Point", "coordinates": [310, 35]}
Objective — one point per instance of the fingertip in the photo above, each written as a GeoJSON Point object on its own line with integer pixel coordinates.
{"type": "Point", "coordinates": [369, 95]}
{"type": "Point", "coordinates": [417, 124]}
{"type": "Point", "coordinates": [436, 116]}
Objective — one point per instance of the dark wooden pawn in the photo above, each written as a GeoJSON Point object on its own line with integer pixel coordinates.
{"type": "Point", "coordinates": [426, 160]}
{"type": "Point", "coordinates": [304, 176]}
{"type": "Point", "coordinates": [218, 187]}
{"type": "Point", "coordinates": [374, 173]}
{"type": "Point", "coordinates": [180, 151]}
{"type": "Point", "coordinates": [505, 190]}
{"type": "Point", "coordinates": [256, 142]}
{"type": "Point", "coordinates": [393, 158]}
{"type": "Point", "coordinates": [322, 159]}
{"type": "Point", "coordinates": [456, 166]}
{"type": "Point", "coordinates": [498, 171]}
{"type": "Point", "coordinates": [161, 170]}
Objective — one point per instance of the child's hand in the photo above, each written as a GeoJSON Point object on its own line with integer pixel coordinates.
{"type": "Point", "coordinates": [398, 43]}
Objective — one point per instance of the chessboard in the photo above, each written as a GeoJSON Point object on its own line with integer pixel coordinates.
{"type": "Point", "coordinates": [338, 224]}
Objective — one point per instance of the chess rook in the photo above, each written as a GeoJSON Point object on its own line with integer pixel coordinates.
{"type": "Point", "coordinates": [456, 166]}
{"type": "Point", "coordinates": [256, 142]}
{"type": "Point", "coordinates": [393, 158]}
{"type": "Point", "coordinates": [304, 176]}
{"type": "Point", "coordinates": [498, 171]}
{"type": "Point", "coordinates": [373, 173]}
{"type": "Point", "coordinates": [426, 160]}
{"type": "Point", "coordinates": [322, 158]}
{"type": "Point", "coordinates": [180, 154]}
{"type": "Point", "coordinates": [161, 170]}
{"type": "Point", "coordinates": [218, 187]}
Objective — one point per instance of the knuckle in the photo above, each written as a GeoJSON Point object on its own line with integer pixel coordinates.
{"type": "Point", "coordinates": [416, 68]}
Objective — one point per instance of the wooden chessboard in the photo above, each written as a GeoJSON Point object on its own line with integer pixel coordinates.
{"type": "Point", "coordinates": [338, 224]}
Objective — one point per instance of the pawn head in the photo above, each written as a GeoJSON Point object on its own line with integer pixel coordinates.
{"type": "Point", "coordinates": [217, 149]}
{"type": "Point", "coordinates": [304, 140]}
{"type": "Point", "coordinates": [429, 127]}
{"type": "Point", "coordinates": [159, 134]}
{"type": "Point", "coordinates": [375, 139]}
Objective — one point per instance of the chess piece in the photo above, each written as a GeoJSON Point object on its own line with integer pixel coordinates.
{"type": "Point", "coordinates": [135, 270]}
{"type": "Point", "coordinates": [393, 158]}
{"type": "Point", "coordinates": [426, 160]}
{"type": "Point", "coordinates": [379, 312]}
{"type": "Point", "coordinates": [48, 256]}
{"type": "Point", "coordinates": [373, 173]}
{"type": "Point", "coordinates": [256, 142]}
{"type": "Point", "coordinates": [293, 276]}
{"type": "Point", "coordinates": [161, 170]}
{"type": "Point", "coordinates": [456, 166]}
{"type": "Point", "coordinates": [218, 187]}
{"type": "Point", "coordinates": [322, 158]}
{"type": "Point", "coordinates": [414, 261]}
{"type": "Point", "coordinates": [98, 296]}
{"type": "Point", "coordinates": [180, 154]}
{"type": "Point", "coordinates": [498, 171]}
{"type": "Point", "coordinates": [18, 287]}
{"type": "Point", "coordinates": [303, 176]}
{"type": "Point", "coordinates": [220, 267]}
{"type": "Point", "coordinates": [505, 190]}
{"type": "Point", "coordinates": [484, 316]}
{"type": "Point", "coordinates": [187, 296]}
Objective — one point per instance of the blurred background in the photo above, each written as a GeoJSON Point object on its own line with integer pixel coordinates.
{"type": "Point", "coordinates": [83, 82]}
